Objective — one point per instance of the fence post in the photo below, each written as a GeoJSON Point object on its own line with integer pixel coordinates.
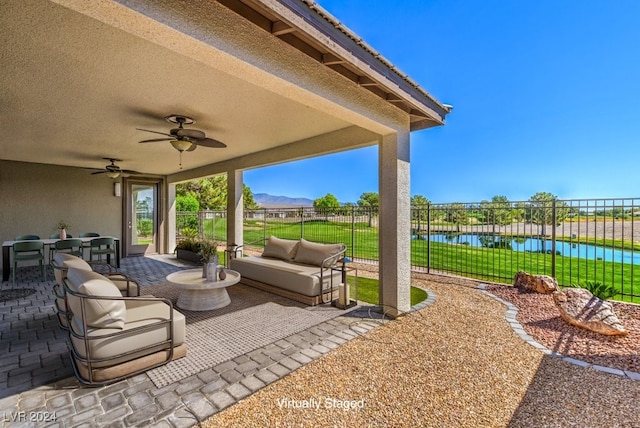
{"type": "Point", "coordinates": [428, 238]}
{"type": "Point", "coordinates": [264, 225]}
{"type": "Point", "coordinates": [301, 211]}
{"type": "Point", "coordinates": [554, 218]}
{"type": "Point", "coordinates": [353, 231]}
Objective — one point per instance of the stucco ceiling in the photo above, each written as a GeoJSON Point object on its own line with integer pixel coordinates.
{"type": "Point", "coordinates": [75, 88]}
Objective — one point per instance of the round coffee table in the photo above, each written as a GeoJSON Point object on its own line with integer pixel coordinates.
{"type": "Point", "coordinates": [198, 294]}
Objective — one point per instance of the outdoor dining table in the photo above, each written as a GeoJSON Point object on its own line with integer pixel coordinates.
{"type": "Point", "coordinates": [7, 245]}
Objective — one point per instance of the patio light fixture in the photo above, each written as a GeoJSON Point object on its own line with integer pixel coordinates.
{"type": "Point", "coordinates": [181, 145]}
{"type": "Point", "coordinates": [113, 174]}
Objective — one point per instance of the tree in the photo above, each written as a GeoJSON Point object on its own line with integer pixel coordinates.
{"type": "Point", "coordinates": [211, 193]}
{"type": "Point", "coordinates": [186, 223]}
{"type": "Point", "coordinates": [187, 203]}
{"type": "Point", "coordinates": [419, 205]}
{"type": "Point", "coordinates": [248, 202]}
{"type": "Point", "coordinates": [369, 201]}
{"type": "Point", "coordinates": [540, 210]}
{"type": "Point", "coordinates": [419, 201]}
{"type": "Point", "coordinates": [457, 213]}
{"type": "Point", "coordinates": [497, 211]}
{"type": "Point", "coordinates": [328, 204]}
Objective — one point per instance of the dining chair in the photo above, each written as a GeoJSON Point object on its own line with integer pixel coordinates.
{"type": "Point", "coordinates": [27, 238]}
{"type": "Point", "coordinates": [88, 235]}
{"type": "Point", "coordinates": [104, 246]}
{"type": "Point", "coordinates": [70, 246]}
{"type": "Point", "coordinates": [28, 251]}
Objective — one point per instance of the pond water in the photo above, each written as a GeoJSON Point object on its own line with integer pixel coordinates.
{"type": "Point", "coordinates": [536, 245]}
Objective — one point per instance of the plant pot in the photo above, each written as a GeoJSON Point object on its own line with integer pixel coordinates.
{"type": "Point", "coordinates": [188, 256]}
{"type": "Point", "coordinates": [63, 233]}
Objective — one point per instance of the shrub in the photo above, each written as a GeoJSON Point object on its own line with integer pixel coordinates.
{"type": "Point", "coordinates": [145, 226]}
{"type": "Point", "coordinates": [598, 289]}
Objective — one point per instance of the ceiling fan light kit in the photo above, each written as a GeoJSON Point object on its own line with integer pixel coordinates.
{"type": "Point", "coordinates": [181, 145]}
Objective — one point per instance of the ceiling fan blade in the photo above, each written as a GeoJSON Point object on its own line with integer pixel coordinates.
{"type": "Point", "coordinates": [154, 140]}
{"type": "Point", "coordinates": [155, 132]}
{"type": "Point", "coordinates": [189, 133]}
{"type": "Point", "coordinates": [209, 142]}
{"type": "Point", "coordinates": [100, 172]}
{"type": "Point", "coordinates": [129, 171]}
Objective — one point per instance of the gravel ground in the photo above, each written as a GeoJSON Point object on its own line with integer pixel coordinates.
{"type": "Point", "coordinates": [455, 363]}
{"type": "Point", "coordinates": [540, 318]}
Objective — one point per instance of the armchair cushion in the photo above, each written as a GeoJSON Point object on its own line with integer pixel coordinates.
{"type": "Point", "coordinates": [278, 248]}
{"type": "Point", "coordinates": [66, 261]}
{"type": "Point", "coordinates": [312, 253]}
{"type": "Point", "coordinates": [99, 313]}
{"type": "Point", "coordinates": [143, 333]}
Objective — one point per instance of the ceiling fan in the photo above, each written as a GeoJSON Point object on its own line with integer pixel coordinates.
{"type": "Point", "coordinates": [184, 139]}
{"type": "Point", "coordinates": [112, 170]}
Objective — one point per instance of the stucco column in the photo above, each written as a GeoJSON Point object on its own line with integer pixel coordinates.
{"type": "Point", "coordinates": [395, 224]}
{"type": "Point", "coordinates": [170, 228]}
{"type": "Point", "coordinates": [235, 203]}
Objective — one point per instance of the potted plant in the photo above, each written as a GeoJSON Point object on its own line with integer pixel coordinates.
{"type": "Point", "coordinates": [196, 250]}
{"type": "Point", "coordinates": [207, 249]}
{"type": "Point", "coordinates": [187, 249]}
{"type": "Point", "coordinates": [62, 226]}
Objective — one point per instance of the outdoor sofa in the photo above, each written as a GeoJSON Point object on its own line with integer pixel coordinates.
{"type": "Point", "coordinates": [301, 270]}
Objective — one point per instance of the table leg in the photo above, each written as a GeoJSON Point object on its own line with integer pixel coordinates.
{"type": "Point", "coordinates": [6, 267]}
{"type": "Point", "coordinates": [117, 253]}
{"type": "Point", "coordinates": [203, 300]}
{"type": "Point", "coordinates": [117, 241]}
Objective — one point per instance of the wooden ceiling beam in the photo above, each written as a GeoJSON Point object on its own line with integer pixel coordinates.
{"type": "Point", "coordinates": [279, 28]}
{"type": "Point", "coordinates": [330, 59]}
{"type": "Point", "coordinates": [366, 81]}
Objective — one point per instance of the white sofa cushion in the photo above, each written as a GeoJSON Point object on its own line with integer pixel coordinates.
{"type": "Point", "coordinates": [299, 278]}
{"type": "Point", "coordinates": [312, 253]}
{"type": "Point", "coordinates": [283, 249]}
{"type": "Point", "coordinates": [98, 313]}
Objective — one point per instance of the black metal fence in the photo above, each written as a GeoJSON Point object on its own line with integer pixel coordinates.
{"type": "Point", "coordinates": [575, 241]}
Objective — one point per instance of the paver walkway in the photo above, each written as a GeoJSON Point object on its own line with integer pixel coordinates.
{"type": "Point", "coordinates": [37, 386]}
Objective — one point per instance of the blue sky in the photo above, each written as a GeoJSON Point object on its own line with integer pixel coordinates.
{"type": "Point", "coordinates": [546, 97]}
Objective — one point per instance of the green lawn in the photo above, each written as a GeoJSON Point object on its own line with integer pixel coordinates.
{"type": "Point", "coordinates": [368, 291]}
{"type": "Point", "coordinates": [492, 264]}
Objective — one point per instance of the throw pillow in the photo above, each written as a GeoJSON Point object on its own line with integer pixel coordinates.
{"type": "Point", "coordinates": [284, 249]}
{"type": "Point", "coordinates": [311, 253]}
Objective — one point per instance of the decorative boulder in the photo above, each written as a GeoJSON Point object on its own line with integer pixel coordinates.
{"type": "Point", "coordinates": [538, 283]}
{"type": "Point", "coordinates": [579, 307]}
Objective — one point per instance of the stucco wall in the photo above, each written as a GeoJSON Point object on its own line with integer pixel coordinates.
{"type": "Point", "coordinates": [34, 197]}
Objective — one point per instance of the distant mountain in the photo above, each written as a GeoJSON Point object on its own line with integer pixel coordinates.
{"type": "Point", "coordinates": [269, 201]}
